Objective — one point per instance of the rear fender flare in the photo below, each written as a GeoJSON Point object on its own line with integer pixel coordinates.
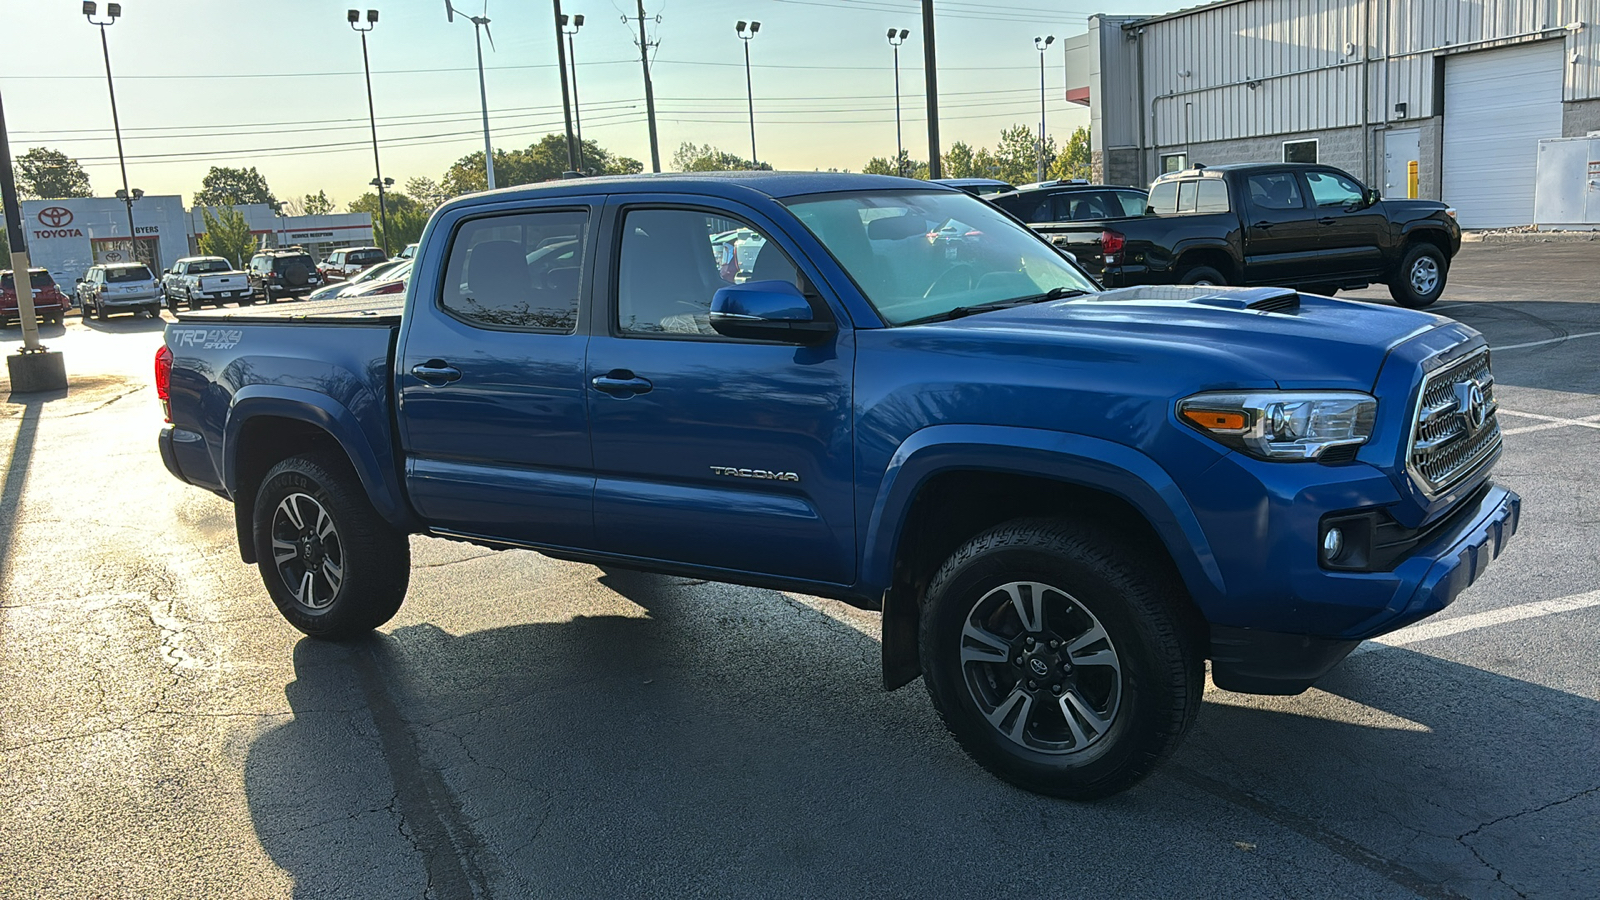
{"type": "Point", "coordinates": [371, 457]}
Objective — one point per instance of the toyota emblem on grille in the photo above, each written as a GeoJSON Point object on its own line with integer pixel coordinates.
{"type": "Point", "coordinates": [1474, 406]}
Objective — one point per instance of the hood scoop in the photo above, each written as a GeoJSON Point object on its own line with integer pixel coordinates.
{"type": "Point", "coordinates": [1259, 299]}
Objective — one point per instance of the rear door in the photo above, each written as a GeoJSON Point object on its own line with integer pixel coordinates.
{"type": "Point", "coordinates": [1281, 230]}
{"type": "Point", "coordinates": [490, 375]}
{"type": "Point", "coordinates": [710, 450]}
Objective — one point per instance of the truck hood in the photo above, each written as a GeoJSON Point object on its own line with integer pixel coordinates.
{"type": "Point", "coordinates": [1253, 337]}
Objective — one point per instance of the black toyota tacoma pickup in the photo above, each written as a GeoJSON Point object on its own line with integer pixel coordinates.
{"type": "Point", "coordinates": [1311, 227]}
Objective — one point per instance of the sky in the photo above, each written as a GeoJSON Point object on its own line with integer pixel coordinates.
{"type": "Point", "coordinates": [277, 84]}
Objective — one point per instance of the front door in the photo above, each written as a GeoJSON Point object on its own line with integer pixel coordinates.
{"type": "Point", "coordinates": [708, 450]}
{"type": "Point", "coordinates": [1280, 240]}
{"type": "Point", "coordinates": [491, 381]}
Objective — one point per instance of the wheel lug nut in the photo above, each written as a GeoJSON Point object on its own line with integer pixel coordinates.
{"type": "Point", "coordinates": [1030, 642]}
{"type": "Point", "coordinates": [1017, 661]}
{"type": "Point", "coordinates": [1055, 688]}
{"type": "Point", "coordinates": [1032, 685]}
{"type": "Point", "coordinates": [1054, 644]}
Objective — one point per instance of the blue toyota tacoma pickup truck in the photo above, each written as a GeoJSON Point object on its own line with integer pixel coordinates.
{"type": "Point", "coordinates": [1063, 500]}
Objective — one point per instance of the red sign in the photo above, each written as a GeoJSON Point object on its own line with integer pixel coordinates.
{"type": "Point", "coordinates": [55, 216]}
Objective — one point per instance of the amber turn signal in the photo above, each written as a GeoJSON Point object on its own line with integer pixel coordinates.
{"type": "Point", "coordinates": [1216, 420]}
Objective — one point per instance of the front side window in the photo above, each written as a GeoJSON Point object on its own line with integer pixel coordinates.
{"type": "Point", "coordinates": [1276, 190]}
{"type": "Point", "coordinates": [1332, 189]}
{"type": "Point", "coordinates": [517, 271]}
{"type": "Point", "coordinates": [921, 255]}
{"type": "Point", "coordinates": [673, 261]}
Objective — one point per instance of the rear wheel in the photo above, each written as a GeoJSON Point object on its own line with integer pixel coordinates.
{"type": "Point", "coordinates": [1420, 277]}
{"type": "Point", "coordinates": [334, 568]}
{"type": "Point", "coordinates": [1202, 275]}
{"type": "Point", "coordinates": [1058, 659]}
{"type": "Point", "coordinates": [100, 311]}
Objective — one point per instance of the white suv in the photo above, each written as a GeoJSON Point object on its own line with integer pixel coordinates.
{"type": "Point", "coordinates": [119, 287]}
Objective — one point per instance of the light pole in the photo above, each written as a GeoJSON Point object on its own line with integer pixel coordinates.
{"type": "Point", "coordinates": [480, 26]}
{"type": "Point", "coordinates": [749, 92]}
{"type": "Point", "coordinates": [896, 38]}
{"type": "Point", "coordinates": [572, 57]}
{"type": "Point", "coordinates": [1042, 44]}
{"type": "Point", "coordinates": [354, 17]}
{"type": "Point", "coordinates": [127, 195]}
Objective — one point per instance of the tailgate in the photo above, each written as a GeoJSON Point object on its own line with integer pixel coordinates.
{"type": "Point", "coordinates": [1084, 243]}
{"type": "Point", "coordinates": [233, 281]}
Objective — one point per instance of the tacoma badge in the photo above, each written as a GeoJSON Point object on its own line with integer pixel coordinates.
{"type": "Point", "coordinates": [754, 473]}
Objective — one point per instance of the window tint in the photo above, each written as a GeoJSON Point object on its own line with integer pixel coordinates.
{"type": "Point", "coordinates": [1036, 210]}
{"type": "Point", "coordinates": [674, 260]}
{"type": "Point", "coordinates": [1080, 206]}
{"type": "Point", "coordinates": [128, 273]}
{"type": "Point", "coordinates": [1331, 189]}
{"type": "Point", "coordinates": [1277, 190]}
{"type": "Point", "coordinates": [1164, 197]}
{"type": "Point", "coordinates": [1186, 191]}
{"type": "Point", "coordinates": [1133, 203]}
{"type": "Point", "coordinates": [517, 271]}
{"type": "Point", "coordinates": [1213, 197]}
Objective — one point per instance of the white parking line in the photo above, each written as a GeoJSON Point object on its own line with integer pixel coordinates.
{"type": "Point", "coordinates": [1428, 630]}
{"type": "Point", "coordinates": [1547, 341]}
{"type": "Point", "coordinates": [1550, 422]}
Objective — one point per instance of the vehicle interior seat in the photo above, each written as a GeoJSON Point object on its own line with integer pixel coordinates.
{"type": "Point", "coordinates": [669, 273]}
{"type": "Point", "coordinates": [497, 275]}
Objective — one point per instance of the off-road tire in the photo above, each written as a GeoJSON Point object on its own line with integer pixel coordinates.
{"type": "Point", "coordinates": [1141, 609]}
{"type": "Point", "coordinates": [1409, 284]}
{"type": "Point", "coordinates": [1202, 275]}
{"type": "Point", "coordinates": [375, 559]}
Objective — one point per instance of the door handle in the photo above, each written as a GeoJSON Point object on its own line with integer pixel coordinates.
{"type": "Point", "coordinates": [436, 372]}
{"type": "Point", "coordinates": [1326, 220]}
{"type": "Point", "coordinates": [621, 383]}
{"type": "Point", "coordinates": [1262, 225]}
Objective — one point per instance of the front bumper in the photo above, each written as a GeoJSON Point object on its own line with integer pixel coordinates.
{"type": "Point", "coordinates": [1263, 661]}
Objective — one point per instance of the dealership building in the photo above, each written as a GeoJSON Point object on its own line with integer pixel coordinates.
{"type": "Point", "coordinates": [1428, 98]}
{"type": "Point", "coordinates": [68, 236]}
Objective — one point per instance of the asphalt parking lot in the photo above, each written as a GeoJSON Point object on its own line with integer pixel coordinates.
{"type": "Point", "coordinates": [533, 728]}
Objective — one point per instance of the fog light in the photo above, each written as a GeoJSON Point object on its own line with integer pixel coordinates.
{"type": "Point", "coordinates": [1332, 543]}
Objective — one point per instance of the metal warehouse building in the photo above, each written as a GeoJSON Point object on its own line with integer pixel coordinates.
{"type": "Point", "coordinates": [1462, 89]}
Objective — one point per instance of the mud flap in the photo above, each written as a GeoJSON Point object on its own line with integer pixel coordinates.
{"type": "Point", "coordinates": [901, 661]}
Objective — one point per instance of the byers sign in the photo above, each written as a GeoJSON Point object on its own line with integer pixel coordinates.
{"type": "Point", "coordinates": [55, 222]}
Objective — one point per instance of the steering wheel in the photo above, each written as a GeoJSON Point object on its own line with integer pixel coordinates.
{"type": "Point", "coordinates": [949, 280]}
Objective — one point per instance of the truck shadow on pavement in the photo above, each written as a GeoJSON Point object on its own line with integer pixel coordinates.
{"type": "Point", "coordinates": [735, 743]}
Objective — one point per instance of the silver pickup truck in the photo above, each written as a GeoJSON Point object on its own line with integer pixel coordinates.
{"type": "Point", "coordinates": [199, 280]}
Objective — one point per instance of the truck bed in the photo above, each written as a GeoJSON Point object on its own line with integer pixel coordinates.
{"type": "Point", "coordinates": [384, 310]}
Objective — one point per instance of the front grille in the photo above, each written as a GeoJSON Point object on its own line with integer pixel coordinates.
{"type": "Point", "coordinates": [1447, 445]}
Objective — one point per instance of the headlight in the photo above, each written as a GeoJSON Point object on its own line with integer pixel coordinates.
{"type": "Point", "coordinates": [1286, 425]}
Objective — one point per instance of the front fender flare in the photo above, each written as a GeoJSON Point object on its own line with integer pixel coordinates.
{"type": "Point", "coordinates": [1075, 459]}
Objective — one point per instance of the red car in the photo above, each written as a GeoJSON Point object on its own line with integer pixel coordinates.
{"type": "Point", "coordinates": [49, 303]}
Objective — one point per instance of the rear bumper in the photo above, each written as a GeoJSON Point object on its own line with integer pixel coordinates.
{"type": "Point", "coordinates": [1257, 661]}
{"type": "Point", "coordinates": [127, 300]}
{"type": "Point", "coordinates": [169, 456]}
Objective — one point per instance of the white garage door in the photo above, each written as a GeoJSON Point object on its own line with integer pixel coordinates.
{"type": "Point", "coordinates": [1497, 105]}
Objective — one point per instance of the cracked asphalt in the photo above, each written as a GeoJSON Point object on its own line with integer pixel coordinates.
{"type": "Point", "coordinates": [533, 728]}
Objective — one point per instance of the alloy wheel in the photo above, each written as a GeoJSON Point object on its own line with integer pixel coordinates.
{"type": "Point", "coordinates": [307, 551]}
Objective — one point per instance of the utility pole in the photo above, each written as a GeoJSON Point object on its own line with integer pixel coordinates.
{"type": "Point", "coordinates": [930, 68]}
{"type": "Point", "coordinates": [566, 101]}
{"type": "Point", "coordinates": [33, 368]}
{"type": "Point", "coordinates": [354, 18]}
{"type": "Point", "coordinates": [649, 92]}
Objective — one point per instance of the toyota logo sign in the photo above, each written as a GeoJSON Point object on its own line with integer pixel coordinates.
{"type": "Point", "coordinates": [55, 216]}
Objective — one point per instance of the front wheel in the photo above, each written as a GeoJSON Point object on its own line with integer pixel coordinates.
{"type": "Point", "coordinates": [334, 568]}
{"type": "Point", "coordinates": [1420, 277]}
{"type": "Point", "coordinates": [1202, 276]}
{"type": "Point", "coordinates": [1058, 660]}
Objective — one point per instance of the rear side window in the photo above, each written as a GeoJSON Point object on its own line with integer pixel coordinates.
{"type": "Point", "coordinates": [1186, 192]}
{"type": "Point", "coordinates": [1164, 198]}
{"type": "Point", "coordinates": [1212, 197]}
{"type": "Point", "coordinates": [367, 256]}
{"type": "Point", "coordinates": [517, 271]}
{"type": "Point", "coordinates": [1276, 190]}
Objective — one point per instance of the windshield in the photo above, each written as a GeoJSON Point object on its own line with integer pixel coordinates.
{"type": "Point", "coordinates": [127, 273]}
{"type": "Point", "coordinates": [205, 266]}
{"type": "Point", "coordinates": [381, 270]}
{"type": "Point", "coordinates": [38, 278]}
{"type": "Point", "coordinates": [920, 255]}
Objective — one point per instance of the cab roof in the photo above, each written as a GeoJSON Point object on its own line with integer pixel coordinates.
{"type": "Point", "coordinates": [727, 185]}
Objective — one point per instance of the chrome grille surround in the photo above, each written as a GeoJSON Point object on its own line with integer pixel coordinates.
{"type": "Point", "coordinates": [1446, 445]}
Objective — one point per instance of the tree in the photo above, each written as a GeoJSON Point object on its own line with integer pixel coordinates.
{"type": "Point", "coordinates": [906, 167]}
{"type": "Point", "coordinates": [545, 160]}
{"type": "Point", "coordinates": [706, 158]}
{"type": "Point", "coordinates": [227, 235]}
{"type": "Point", "coordinates": [317, 204]}
{"type": "Point", "coordinates": [224, 186]}
{"type": "Point", "coordinates": [958, 162]}
{"type": "Point", "coordinates": [407, 218]}
{"type": "Point", "coordinates": [426, 192]}
{"type": "Point", "coordinates": [1075, 159]}
{"type": "Point", "coordinates": [45, 174]}
{"type": "Point", "coordinates": [1017, 155]}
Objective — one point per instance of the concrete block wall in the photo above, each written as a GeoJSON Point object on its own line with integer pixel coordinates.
{"type": "Point", "coordinates": [1580, 117]}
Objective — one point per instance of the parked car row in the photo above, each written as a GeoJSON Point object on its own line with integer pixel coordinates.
{"type": "Point", "coordinates": [49, 302]}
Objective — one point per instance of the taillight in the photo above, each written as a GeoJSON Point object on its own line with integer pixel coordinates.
{"type": "Point", "coordinates": [1111, 242]}
{"type": "Point", "coordinates": [164, 380]}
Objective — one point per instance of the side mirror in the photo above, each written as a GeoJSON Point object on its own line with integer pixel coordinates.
{"type": "Point", "coordinates": [767, 311]}
{"type": "Point", "coordinates": [1373, 196]}
{"type": "Point", "coordinates": [80, 281]}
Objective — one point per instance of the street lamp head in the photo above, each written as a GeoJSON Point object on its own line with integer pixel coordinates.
{"type": "Point", "coordinates": [352, 16]}
{"type": "Point", "coordinates": [113, 10]}
{"type": "Point", "coordinates": [891, 34]}
{"type": "Point", "coordinates": [903, 34]}
{"type": "Point", "coordinates": [372, 16]}
{"type": "Point", "coordinates": [89, 7]}
{"type": "Point", "coordinates": [577, 20]}
{"type": "Point", "coordinates": [755, 27]}
{"type": "Point", "coordinates": [138, 194]}
{"type": "Point", "coordinates": [563, 20]}
{"type": "Point", "coordinates": [739, 26]}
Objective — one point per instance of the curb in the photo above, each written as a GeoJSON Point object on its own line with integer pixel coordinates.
{"type": "Point", "coordinates": [1529, 237]}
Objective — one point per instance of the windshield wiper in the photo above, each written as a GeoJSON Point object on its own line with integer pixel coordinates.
{"type": "Point", "coordinates": [1055, 293]}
